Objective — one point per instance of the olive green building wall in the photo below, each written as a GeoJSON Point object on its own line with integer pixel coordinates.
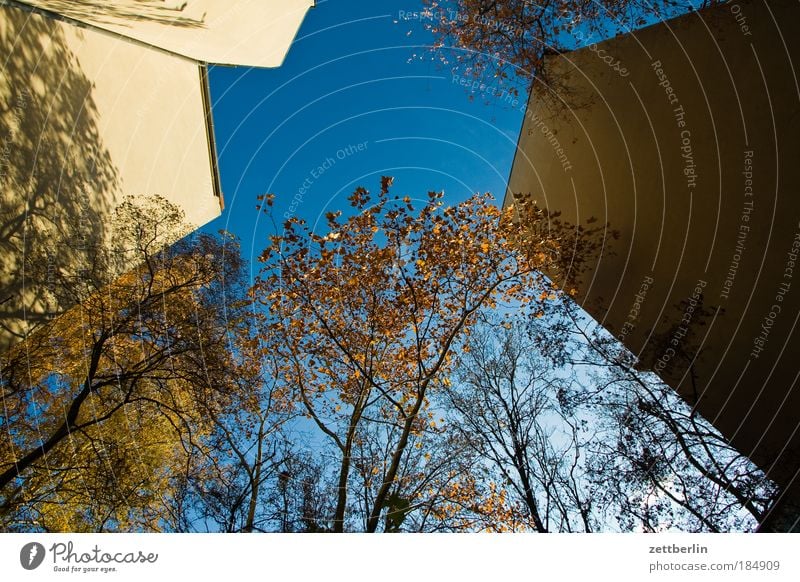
{"type": "Point", "coordinates": [685, 138]}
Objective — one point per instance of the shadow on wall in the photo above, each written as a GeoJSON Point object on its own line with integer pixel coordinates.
{"type": "Point", "coordinates": [56, 179]}
{"type": "Point", "coordinates": [117, 12]}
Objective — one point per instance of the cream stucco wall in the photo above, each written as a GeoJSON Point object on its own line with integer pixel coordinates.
{"type": "Point", "coordinates": [685, 137]}
{"type": "Point", "coordinates": [87, 118]}
{"type": "Point", "coordinates": [232, 32]}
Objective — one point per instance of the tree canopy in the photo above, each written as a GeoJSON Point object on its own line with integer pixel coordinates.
{"type": "Point", "coordinates": [507, 41]}
{"type": "Point", "coordinates": [412, 367]}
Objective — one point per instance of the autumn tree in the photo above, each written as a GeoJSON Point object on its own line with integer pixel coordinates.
{"type": "Point", "coordinates": [506, 404]}
{"type": "Point", "coordinates": [656, 463]}
{"type": "Point", "coordinates": [441, 485]}
{"type": "Point", "coordinates": [246, 449]}
{"type": "Point", "coordinates": [301, 500]}
{"type": "Point", "coordinates": [507, 41]}
{"type": "Point", "coordinates": [101, 404]}
{"type": "Point", "coordinates": [368, 315]}
{"type": "Point", "coordinates": [582, 440]}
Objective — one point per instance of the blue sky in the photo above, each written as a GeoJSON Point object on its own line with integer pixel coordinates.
{"type": "Point", "coordinates": [358, 73]}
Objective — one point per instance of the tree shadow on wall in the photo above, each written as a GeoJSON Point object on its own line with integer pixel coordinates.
{"type": "Point", "coordinates": [676, 351]}
{"type": "Point", "coordinates": [56, 178]}
{"type": "Point", "coordinates": [124, 12]}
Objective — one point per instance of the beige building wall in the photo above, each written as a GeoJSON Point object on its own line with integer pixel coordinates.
{"type": "Point", "coordinates": [685, 137]}
{"type": "Point", "coordinates": [254, 33]}
{"type": "Point", "coordinates": [87, 118]}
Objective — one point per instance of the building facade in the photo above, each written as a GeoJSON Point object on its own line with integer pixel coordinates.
{"type": "Point", "coordinates": [102, 100]}
{"type": "Point", "coordinates": [685, 137]}
{"type": "Point", "coordinates": [252, 33]}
